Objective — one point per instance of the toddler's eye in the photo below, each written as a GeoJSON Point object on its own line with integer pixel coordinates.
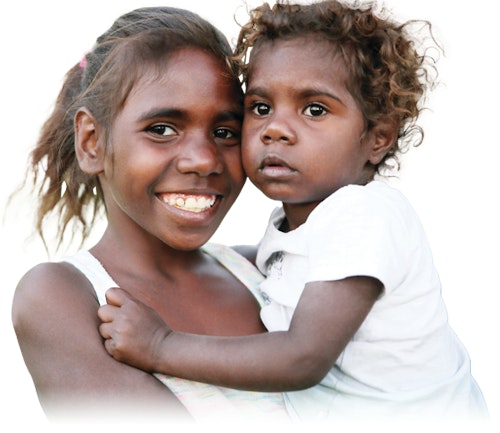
{"type": "Point", "coordinates": [314, 110]}
{"type": "Point", "coordinates": [161, 129]}
{"type": "Point", "coordinates": [261, 109]}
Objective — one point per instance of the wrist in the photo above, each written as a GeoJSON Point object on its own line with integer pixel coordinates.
{"type": "Point", "coordinates": [162, 350]}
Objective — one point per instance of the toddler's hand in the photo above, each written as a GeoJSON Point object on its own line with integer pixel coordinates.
{"type": "Point", "coordinates": [133, 332]}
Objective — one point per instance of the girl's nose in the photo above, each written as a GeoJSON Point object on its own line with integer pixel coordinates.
{"type": "Point", "coordinates": [201, 156]}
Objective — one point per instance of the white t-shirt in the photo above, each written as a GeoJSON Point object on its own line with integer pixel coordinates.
{"type": "Point", "coordinates": [405, 360]}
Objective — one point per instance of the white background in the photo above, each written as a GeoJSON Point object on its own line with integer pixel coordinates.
{"type": "Point", "coordinates": [452, 179]}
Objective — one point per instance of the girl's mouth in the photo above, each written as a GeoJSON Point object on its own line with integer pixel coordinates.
{"type": "Point", "coordinates": [189, 202]}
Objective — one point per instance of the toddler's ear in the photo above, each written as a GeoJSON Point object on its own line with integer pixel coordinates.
{"type": "Point", "coordinates": [385, 134]}
{"type": "Point", "coordinates": [89, 145]}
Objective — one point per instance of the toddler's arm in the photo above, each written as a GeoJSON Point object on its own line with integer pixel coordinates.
{"type": "Point", "coordinates": [326, 318]}
{"type": "Point", "coordinates": [133, 331]}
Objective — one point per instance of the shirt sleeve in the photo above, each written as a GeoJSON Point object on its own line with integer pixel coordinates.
{"type": "Point", "coordinates": [358, 232]}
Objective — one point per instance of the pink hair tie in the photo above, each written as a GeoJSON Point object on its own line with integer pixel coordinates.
{"type": "Point", "coordinates": [83, 62]}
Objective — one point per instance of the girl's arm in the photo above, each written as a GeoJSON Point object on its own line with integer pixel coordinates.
{"type": "Point", "coordinates": [327, 316]}
{"type": "Point", "coordinates": [55, 318]}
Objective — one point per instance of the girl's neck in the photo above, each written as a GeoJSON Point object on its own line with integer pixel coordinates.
{"type": "Point", "coordinates": [141, 254]}
{"type": "Point", "coordinates": [190, 290]}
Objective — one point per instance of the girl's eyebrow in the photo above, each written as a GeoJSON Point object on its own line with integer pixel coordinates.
{"type": "Point", "coordinates": [177, 113]}
{"type": "Point", "coordinates": [154, 113]}
{"type": "Point", "coordinates": [229, 115]}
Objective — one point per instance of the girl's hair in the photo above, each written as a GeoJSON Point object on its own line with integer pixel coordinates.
{"type": "Point", "coordinates": [386, 74]}
{"type": "Point", "coordinates": [101, 82]}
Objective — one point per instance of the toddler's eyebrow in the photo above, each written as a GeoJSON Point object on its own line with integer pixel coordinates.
{"type": "Point", "coordinates": [307, 93]}
{"type": "Point", "coordinates": [259, 91]}
{"type": "Point", "coordinates": [302, 93]}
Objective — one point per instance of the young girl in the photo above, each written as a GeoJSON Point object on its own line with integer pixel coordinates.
{"type": "Point", "coordinates": [358, 326]}
{"type": "Point", "coordinates": [147, 126]}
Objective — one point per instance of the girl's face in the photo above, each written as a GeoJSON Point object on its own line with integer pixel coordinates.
{"type": "Point", "coordinates": [174, 165]}
{"type": "Point", "coordinates": [303, 134]}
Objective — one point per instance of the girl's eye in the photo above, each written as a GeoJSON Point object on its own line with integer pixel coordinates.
{"type": "Point", "coordinates": [161, 129]}
{"type": "Point", "coordinates": [315, 110]}
{"type": "Point", "coordinates": [224, 133]}
{"type": "Point", "coordinates": [227, 136]}
{"type": "Point", "coordinates": [261, 109]}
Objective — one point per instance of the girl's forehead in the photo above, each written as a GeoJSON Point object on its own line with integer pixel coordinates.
{"type": "Point", "coordinates": [186, 66]}
{"type": "Point", "coordinates": [184, 81]}
{"type": "Point", "coordinates": [160, 66]}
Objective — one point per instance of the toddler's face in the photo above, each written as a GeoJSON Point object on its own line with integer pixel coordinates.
{"type": "Point", "coordinates": [303, 133]}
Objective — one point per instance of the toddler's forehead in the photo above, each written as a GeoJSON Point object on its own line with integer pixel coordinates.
{"type": "Point", "coordinates": [316, 43]}
{"type": "Point", "coordinates": [312, 46]}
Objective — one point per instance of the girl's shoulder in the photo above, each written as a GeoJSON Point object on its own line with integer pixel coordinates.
{"type": "Point", "coordinates": [49, 278]}
{"type": "Point", "coordinates": [48, 289]}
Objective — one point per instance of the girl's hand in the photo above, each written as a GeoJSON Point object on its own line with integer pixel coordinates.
{"type": "Point", "coordinates": [133, 332]}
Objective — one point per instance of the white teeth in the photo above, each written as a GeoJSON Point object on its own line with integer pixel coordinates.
{"type": "Point", "coordinates": [190, 203]}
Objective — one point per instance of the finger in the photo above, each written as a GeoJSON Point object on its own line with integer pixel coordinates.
{"type": "Point", "coordinates": [107, 313]}
{"type": "Point", "coordinates": [109, 334]}
{"type": "Point", "coordinates": [109, 345]}
{"type": "Point", "coordinates": [113, 351]}
{"type": "Point", "coordinates": [116, 296]}
{"type": "Point", "coordinates": [105, 331]}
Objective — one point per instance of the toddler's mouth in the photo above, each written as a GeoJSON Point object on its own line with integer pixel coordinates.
{"type": "Point", "coordinates": [273, 161]}
{"type": "Point", "coordinates": [276, 168]}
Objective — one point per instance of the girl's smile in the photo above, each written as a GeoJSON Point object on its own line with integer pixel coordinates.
{"type": "Point", "coordinates": [189, 202]}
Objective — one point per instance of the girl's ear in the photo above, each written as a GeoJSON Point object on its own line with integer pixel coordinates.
{"type": "Point", "coordinates": [89, 144]}
{"type": "Point", "coordinates": [384, 137]}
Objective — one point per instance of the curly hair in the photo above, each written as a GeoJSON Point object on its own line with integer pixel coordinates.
{"type": "Point", "coordinates": [387, 75]}
{"type": "Point", "coordinates": [101, 82]}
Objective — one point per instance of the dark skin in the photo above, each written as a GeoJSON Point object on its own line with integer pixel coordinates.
{"type": "Point", "coordinates": [169, 139]}
{"type": "Point", "coordinates": [193, 291]}
{"type": "Point", "coordinates": [297, 100]}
